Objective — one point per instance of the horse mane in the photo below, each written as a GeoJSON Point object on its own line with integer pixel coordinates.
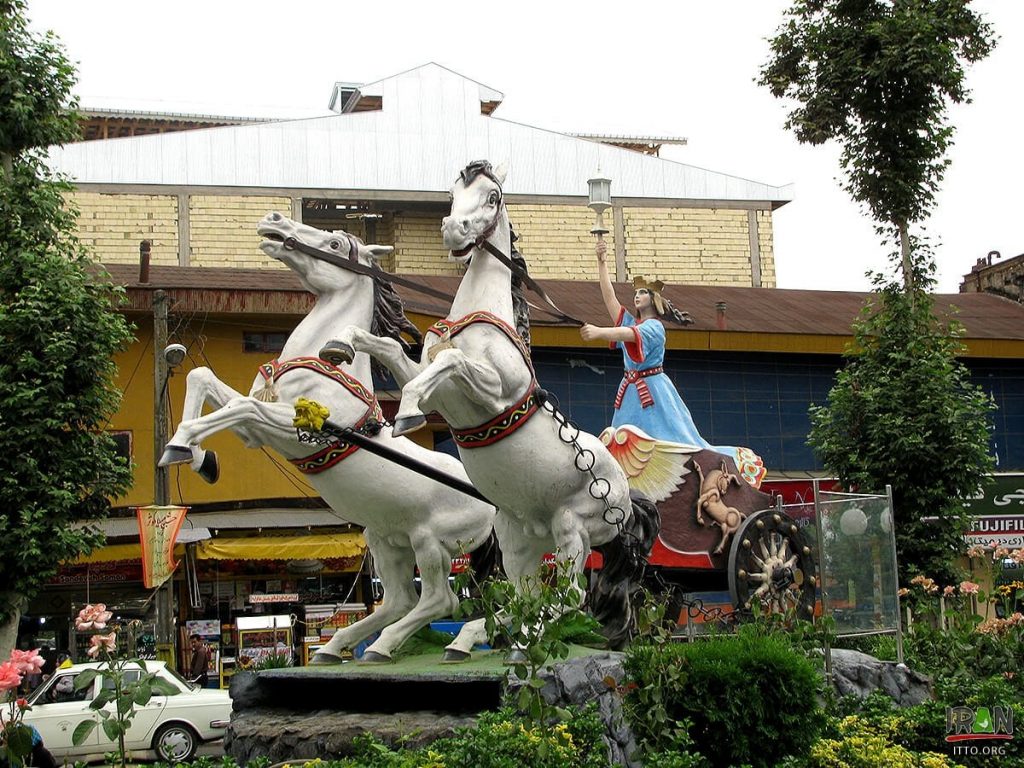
{"type": "Point", "coordinates": [520, 306]}
{"type": "Point", "coordinates": [390, 321]}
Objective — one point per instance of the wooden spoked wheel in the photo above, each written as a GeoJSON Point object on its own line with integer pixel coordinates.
{"type": "Point", "coordinates": [771, 566]}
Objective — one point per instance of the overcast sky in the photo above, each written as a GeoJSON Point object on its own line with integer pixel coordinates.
{"type": "Point", "coordinates": [682, 69]}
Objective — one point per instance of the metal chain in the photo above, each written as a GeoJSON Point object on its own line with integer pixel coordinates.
{"type": "Point", "coordinates": [568, 432]}
{"type": "Point", "coordinates": [599, 488]}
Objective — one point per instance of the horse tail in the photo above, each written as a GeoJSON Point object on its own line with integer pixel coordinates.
{"type": "Point", "coordinates": [621, 576]}
{"type": "Point", "coordinates": [485, 560]}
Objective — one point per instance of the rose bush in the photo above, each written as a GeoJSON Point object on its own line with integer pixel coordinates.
{"type": "Point", "coordinates": [15, 736]}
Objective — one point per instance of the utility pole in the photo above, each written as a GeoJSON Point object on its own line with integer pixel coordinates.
{"type": "Point", "coordinates": [161, 477]}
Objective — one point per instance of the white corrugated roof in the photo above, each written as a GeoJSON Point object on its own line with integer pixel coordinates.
{"type": "Point", "coordinates": [430, 126]}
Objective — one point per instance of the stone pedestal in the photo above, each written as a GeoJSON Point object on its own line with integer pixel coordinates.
{"type": "Point", "coordinates": [307, 712]}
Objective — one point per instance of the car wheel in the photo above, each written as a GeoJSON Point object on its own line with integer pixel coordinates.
{"type": "Point", "coordinates": [175, 743]}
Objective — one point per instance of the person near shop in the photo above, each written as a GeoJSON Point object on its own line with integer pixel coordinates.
{"type": "Point", "coordinates": [198, 668]}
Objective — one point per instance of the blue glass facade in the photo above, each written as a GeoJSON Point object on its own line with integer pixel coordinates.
{"type": "Point", "coordinates": [757, 400]}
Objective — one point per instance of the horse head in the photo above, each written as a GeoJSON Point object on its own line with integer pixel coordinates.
{"type": "Point", "coordinates": [477, 208]}
{"type": "Point", "coordinates": [290, 243]}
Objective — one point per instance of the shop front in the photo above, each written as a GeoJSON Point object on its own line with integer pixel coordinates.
{"type": "Point", "coordinates": [236, 569]}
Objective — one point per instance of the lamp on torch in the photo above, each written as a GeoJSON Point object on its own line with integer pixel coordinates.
{"type": "Point", "coordinates": [600, 201]}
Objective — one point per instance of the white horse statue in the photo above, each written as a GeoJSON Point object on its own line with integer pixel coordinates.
{"type": "Point", "coordinates": [557, 489]}
{"type": "Point", "coordinates": [408, 520]}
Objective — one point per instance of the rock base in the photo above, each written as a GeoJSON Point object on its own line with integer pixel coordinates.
{"type": "Point", "coordinates": [858, 674]}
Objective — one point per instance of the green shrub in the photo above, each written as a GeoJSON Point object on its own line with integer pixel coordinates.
{"type": "Point", "coordinates": [505, 740]}
{"type": "Point", "coordinates": [749, 698]}
{"type": "Point", "coordinates": [870, 743]}
{"type": "Point", "coordinates": [875, 724]}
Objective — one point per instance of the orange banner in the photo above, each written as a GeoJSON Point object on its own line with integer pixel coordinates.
{"type": "Point", "coordinates": [158, 530]}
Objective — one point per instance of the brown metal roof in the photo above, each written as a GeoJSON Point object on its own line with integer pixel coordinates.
{"type": "Point", "coordinates": [748, 310]}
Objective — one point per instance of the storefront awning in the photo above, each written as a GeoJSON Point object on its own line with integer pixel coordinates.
{"type": "Point", "coordinates": [314, 547]}
{"type": "Point", "coordinates": [132, 550]}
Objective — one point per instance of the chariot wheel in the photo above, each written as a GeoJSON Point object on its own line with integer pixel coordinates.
{"type": "Point", "coordinates": [771, 565]}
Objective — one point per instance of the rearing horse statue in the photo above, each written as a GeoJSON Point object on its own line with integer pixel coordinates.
{"type": "Point", "coordinates": [557, 489]}
{"type": "Point", "coordinates": [409, 521]}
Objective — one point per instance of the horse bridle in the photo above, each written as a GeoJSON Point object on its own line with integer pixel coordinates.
{"type": "Point", "coordinates": [483, 168]}
{"type": "Point", "coordinates": [352, 265]}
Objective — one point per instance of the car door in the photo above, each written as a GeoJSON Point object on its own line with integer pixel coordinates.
{"type": "Point", "coordinates": [140, 732]}
{"type": "Point", "coordinates": [58, 709]}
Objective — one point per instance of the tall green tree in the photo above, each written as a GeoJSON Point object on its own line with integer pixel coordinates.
{"type": "Point", "coordinates": [59, 330]}
{"type": "Point", "coordinates": [904, 412]}
{"type": "Point", "coordinates": [877, 77]}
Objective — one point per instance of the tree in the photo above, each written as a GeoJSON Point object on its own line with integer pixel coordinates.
{"type": "Point", "coordinates": [877, 76]}
{"type": "Point", "coordinates": [903, 411]}
{"type": "Point", "coordinates": [59, 330]}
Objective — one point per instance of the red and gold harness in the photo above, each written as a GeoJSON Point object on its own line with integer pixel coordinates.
{"type": "Point", "coordinates": [339, 450]}
{"type": "Point", "coordinates": [515, 416]}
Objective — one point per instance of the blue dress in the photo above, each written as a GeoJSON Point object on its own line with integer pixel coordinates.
{"type": "Point", "coordinates": [659, 411]}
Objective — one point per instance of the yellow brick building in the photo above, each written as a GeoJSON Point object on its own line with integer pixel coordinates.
{"type": "Point", "coordinates": [380, 168]}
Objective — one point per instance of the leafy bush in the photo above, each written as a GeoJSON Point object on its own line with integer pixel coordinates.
{"type": "Point", "coordinates": [875, 724]}
{"type": "Point", "coordinates": [502, 739]}
{"type": "Point", "coordinates": [869, 743]}
{"type": "Point", "coordinates": [748, 698]}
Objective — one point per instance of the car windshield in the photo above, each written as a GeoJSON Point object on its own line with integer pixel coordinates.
{"type": "Point", "coordinates": [181, 681]}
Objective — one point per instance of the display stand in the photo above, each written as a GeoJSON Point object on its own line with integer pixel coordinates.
{"type": "Point", "coordinates": [260, 637]}
{"type": "Point", "coordinates": [322, 621]}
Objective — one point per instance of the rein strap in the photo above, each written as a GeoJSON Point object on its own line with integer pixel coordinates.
{"type": "Point", "coordinates": [354, 266]}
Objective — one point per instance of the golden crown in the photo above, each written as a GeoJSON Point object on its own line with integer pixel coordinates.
{"type": "Point", "coordinates": [654, 286]}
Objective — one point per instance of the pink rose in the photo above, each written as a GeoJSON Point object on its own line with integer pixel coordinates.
{"type": "Point", "coordinates": [21, 704]}
{"type": "Point", "coordinates": [93, 617]}
{"type": "Point", "coordinates": [104, 642]}
{"type": "Point", "coordinates": [969, 588]}
{"type": "Point", "coordinates": [948, 591]}
{"type": "Point", "coordinates": [10, 676]}
{"type": "Point", "coordinates": [27, 662]}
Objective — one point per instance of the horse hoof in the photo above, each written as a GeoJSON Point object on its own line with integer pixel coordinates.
{"type": "Point", "coordinates": [372, 657]}
{"type": "Point", "coordinates": [210, 468]}
{"type": "Point", "coordinates": [454, 656]}
{"type": "Point", "coordinates": [516, 656]}
{"type": "Point", "coordinates": [175, 454]}
{"type": "Point", "coordinates": [337, 353]}
{"type": "Point", "coordinates": [406, 424]}
{"type": "Point", "coordinates": [324, 659]}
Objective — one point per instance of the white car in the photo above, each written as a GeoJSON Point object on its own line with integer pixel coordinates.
{"type": "Point", "coordinates": [168, 728]}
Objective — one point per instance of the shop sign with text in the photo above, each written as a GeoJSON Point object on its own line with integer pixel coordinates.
{"type": "Point", "coordinates": [1002, 530]}
{"type": "Point", "coordinates": [280, 597]}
